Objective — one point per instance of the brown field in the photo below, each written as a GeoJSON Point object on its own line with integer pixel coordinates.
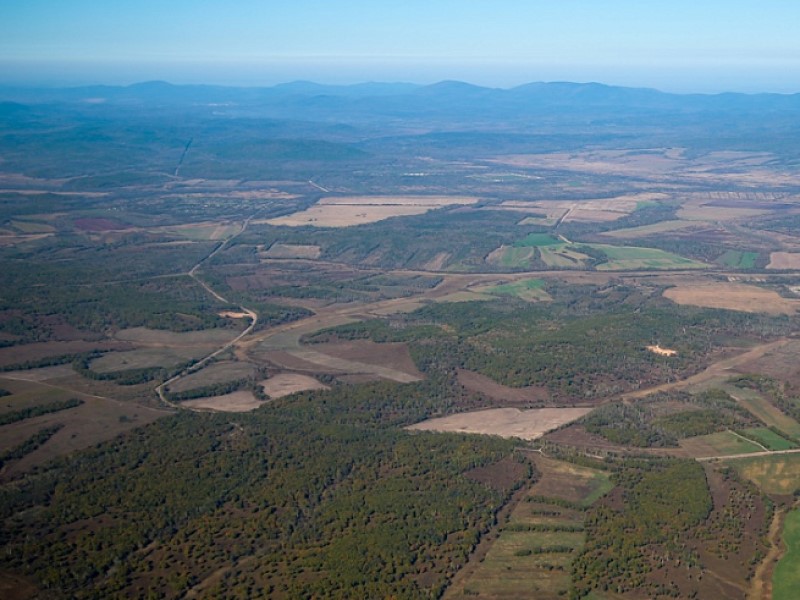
{"type": "Point", "coordinates": [215, 373]}
{"type": "Point", "coordinates": [393, 354]}
{"type": "Point", "coordinates": [654, 229]}
{"type": "Point", "coordinates": [346, 212]}
{"type": "Point", "coordinates": [292, 251]}
{"type": "Point", "coordinates": [144, 358]}
{"type": "Point", "coordinates": [502, 394]}
{"type": "Point", "coordinates": [157, 337]}
{"type": "Point", "coordinates": [286, 384]}
{"type": "Point", "coordinates": [505, 422]}
{"type": "Point", "coordinates": [590, 210]}
{"type": "Point", "coordinates": [13, 355]}
{"type": "Point", "coordinates": [241, 401]}
{"type": "Point", "coordinates": [784, 260]}
{"type": "Point", "coordinates": [41, 374]}
{"type": "Point", "coordinates": [733, 296]}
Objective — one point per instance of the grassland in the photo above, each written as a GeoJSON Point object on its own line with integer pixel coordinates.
{"type": "Point", "coordinates": [778, 474]}
{"type": "Point", "coordinates": [768, 438]}
{"type": "Point", "coordinates": [633, 258]}
{"type": "Point", "coordinates": [718, 444]}
{"type": "Point", "coordinates": [738, 259]}
{"type": "Point", "coordinates": [531, 290]}
{"type": "Point", "coordinates": [786, 578]}
{"type": "Point", "coordinates": [765, 411]}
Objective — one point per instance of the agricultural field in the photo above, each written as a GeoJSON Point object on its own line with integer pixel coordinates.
{"type": "Point", "coordinates": [784, 260]}
{"type": "Point", "coordinates": [351, 211]}
{"type": "Point", "coordinates": [737, 259]}
{"type": "Point", "coordinates": [531, 290]}
{"type": "Point", "coordinates": [234, 402]}
{"type": "Point", "coordinates": [630, 258]}
{"type": "Point", "coordinates": [286, 384]}
{"type": "Point", "coordinates": [538, 540]}
{"type": "Point", "coordinates": [732, 296]}
{"type": "Point", "coordinates": [786, 579]}
{"type": "Point", "coordinates": [505, 422]}
{"type": "Point", "coordinates": [722, 443]}
{"type": "Point", "coordinates": [778, 474]}
{"type": "Point", "coordinates": [768, 438]}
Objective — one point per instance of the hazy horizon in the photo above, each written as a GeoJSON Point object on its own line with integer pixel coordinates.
{"type": "Point", "coordinates": [716, 46]}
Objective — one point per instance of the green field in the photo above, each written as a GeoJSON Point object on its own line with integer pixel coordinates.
{"type": "Point", "coordinates": [738, 259]}
{"type": "Point", "coordinates": [538, 240]}
{"type": "Point", "coordinates": [526, 289]}
{"type": "Point", "coordinates": [721, 443]}
{"type": "Point", "coordinates": [765, 411]}
{"type": "Point", "coordinates": [632, 257]}
{"type": "Point", "coordinates": [786, 579]}
{"type": "Point", "coordinates": [779, 474]}
{"type": "Point", "coordinates": [768, 438]}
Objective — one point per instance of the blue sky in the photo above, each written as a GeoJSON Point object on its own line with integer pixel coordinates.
{"type": "Point", "coordinates": [680, 45]}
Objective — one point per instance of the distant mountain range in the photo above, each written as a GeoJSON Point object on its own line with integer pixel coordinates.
{"type": "Point", "coordinates": [411, 96]}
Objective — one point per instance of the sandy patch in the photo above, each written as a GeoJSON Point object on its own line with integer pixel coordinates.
{"type": "Point", "coordinates": [241, 401]}
{"type": "Point", "coordinates": [784, 260]}
{"type": "Point", "coordinates": [286, 384]}
{"type": "Point", "coordinates": [662, 351]}
{"type": "Point", "coordinates": [232, 314]}
{"type": "Point", "coordinates": [733, 296]}
{"type": "Point", "coordinates": [505, 422]}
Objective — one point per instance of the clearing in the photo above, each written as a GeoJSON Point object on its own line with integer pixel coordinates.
{"type": "Point", "coordinates": [241, 401]}
{"type": "Point", "coordinates": [778, 474]}
{"type": "Point", "coordinates": [732, 296]}
{"type": "Point", "coordinates": [286, 384]}
{"type": "Point", "coordinates": [349, 211]}
{"type": "Point", "coordinates": [297, 251]}
{"type": "Point", "coordinates": [784, 260]}
{"type": "Point", "coordinates": [505, 422]}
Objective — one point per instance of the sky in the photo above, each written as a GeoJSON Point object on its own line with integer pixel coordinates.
{"type": "Point", "coordinates": [679, 45]}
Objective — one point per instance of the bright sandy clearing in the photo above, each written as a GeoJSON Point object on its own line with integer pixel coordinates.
{"type": "Point", "coordinates": [505, 422]}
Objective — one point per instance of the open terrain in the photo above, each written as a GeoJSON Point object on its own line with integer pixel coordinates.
{"type": "Point", "coordinates": [389, 341]}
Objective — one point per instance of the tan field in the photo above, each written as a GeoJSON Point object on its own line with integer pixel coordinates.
{"type": "Point", "coordinates": [286, 384]}
{"type": "Point", "coordinates": [292, 251]}
{"type": "Point", "coordinates": [733, 296]}
{"type": "Point", "coordinates": [505, 422]}
{"type": "Point", "coordinates": [590, 210]}
{"type": "Point", "coordinates": [784, 260]}
{"type": "Point", "coordinates": [647, 230]}
{"type": "Point", "coordinates": [346, 212]}
{"type": "Point", "coordinates": [241, 401]}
